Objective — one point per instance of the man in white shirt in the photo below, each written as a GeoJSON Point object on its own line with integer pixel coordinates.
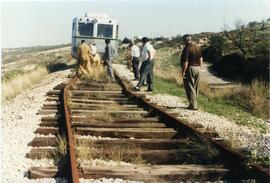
{"type": "Point", "coordinates": [135, 59]}
{"type": "Point", "coordinates": [146, 71]}
{"type": "Point", "coordinates": [93, 48]}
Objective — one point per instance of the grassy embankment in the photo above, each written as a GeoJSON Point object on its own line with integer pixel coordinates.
{"type": "Point", "coordinates": [17, 80]}
{"type": "Point", "coordinates": [241, 104]}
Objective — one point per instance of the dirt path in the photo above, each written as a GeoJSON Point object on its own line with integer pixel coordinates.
{"type": "Point", "coordinates": [214, 82]}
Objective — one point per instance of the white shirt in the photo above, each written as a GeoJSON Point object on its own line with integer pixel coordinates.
{"type": "Point", "coordinates": [148, 47]}
{"type": "Point", "coordinates": [93, 49]}
{"type": "Point", "coordinates": [135, 51]}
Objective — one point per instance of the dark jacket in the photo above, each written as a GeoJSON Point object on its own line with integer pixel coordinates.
{"type": "Point", "coordinates": [192, 54]}
{"type": "Point", "coordinates": [109, 52]}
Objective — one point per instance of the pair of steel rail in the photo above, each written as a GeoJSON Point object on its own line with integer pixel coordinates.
{"type": "Point", "coordinates": [234, 161]}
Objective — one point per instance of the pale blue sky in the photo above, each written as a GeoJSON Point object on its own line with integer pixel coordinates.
{"type": "Point", "coordinates": [49, 23]}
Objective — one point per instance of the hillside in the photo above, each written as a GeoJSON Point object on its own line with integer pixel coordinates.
{"type": "Point", "coordinates": [240, 54]}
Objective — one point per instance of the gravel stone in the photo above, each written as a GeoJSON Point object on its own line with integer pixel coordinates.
{"type": "Point", "coordinates": [19, 120]}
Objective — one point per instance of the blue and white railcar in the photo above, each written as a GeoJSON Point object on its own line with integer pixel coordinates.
{"type": "Point", "coordinates": [95, 28]}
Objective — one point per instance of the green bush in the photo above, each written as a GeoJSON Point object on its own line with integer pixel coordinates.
{"type": "Point", "coordinates": [262, 48]}
{"type": "Point", "coordinates": [210, 54]}
{"type": "Point", "coordinates": [217, 42]}
{"type": "Point", "coordinates": [245, 69]}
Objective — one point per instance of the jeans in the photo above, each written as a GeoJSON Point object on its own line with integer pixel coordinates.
{"type": "Point", "coordinates": [135, 66]}
{"type": "Point", "coordinates": [146, 71]}
{"type": "Point", "coordinates": [109, 69]}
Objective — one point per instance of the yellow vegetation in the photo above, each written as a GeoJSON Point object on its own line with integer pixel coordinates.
{"type": "Point", "coordinates": [21, 82]}
{"type": "Point", "coordinates": [93, 69]}
{"type": "Point", "coordinates": [170, 75]}
{"type": "Point", "coordinates": [86, 150]}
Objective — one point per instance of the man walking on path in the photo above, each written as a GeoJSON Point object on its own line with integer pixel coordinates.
{"type": "Point", "coordinates": [146, 71]}
{"type": "Point", "coordinates": [108, 56]}
{"type": "Point", "coordinates": [135, 59]}
{"type": "Point", "coordinates": [191, 60]}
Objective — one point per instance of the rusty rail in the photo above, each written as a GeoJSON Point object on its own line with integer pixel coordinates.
{"type": "Point", "coordinates": [233, 160]}
{"type": "Point", "coordinates": [72, 163]}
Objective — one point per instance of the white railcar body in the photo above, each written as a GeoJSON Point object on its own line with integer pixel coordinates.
{"type": "Point", "coordinates": [94, 28]}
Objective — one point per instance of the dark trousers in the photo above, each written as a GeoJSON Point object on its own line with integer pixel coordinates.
{"type": "Point", "coordinates": [146, 72]}
{"type": "Point", "coordinates": [135, 66]}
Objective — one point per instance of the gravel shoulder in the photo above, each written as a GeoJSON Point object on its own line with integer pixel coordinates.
{"type": "Point", "coordinates": [19, 120]}
{"type": "Point", "coordinates": [241, 138]}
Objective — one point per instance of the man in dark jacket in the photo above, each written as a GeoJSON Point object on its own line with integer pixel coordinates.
{"type": "Point", "coordinates": [191, 60]}
{"type": "Point", "coordinates": [108, 56]}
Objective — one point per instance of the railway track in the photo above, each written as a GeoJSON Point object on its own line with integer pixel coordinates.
{"type": "Point", "coordinates": [87, 120]}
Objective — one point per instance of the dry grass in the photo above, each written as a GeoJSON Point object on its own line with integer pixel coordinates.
{"type": "Point", "coordinates": [45, 155]}
{"type": "Point", "coordinates": [86, 150]}
{"type": "Point", "coordinates": [61, 145]}
{"type": "Point", "coordinates": [253, 97]}
{"type": "Point", "coordinates": [204, 151]}
{"type": "Point", "coordinates": [170, 75]}
{"type": "Point", "coordinates": [130, 154]}
{"type": "Point", "coordinates": [96, 74]}
{"type": "Point", "coordinates": [61, 151]}
{"type": "Point", "coordinates": [103, 117]}
{"type": "Point", "coordinates": [214, 93]}
{"type": "Point", "coordinates": [21, 82]}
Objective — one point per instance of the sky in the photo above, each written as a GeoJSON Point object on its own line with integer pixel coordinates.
{"type": "Point", "coordinates": [33, 23]}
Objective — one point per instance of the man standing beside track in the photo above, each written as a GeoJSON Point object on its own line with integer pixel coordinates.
{"type": "Point", "coordinates": [191, 60]}
{"type": "Point", "coordinates": [135, 59]}
{"type": "Point", "coordinates": [108, 56]}
{"type": "Point", "coordinates": [146, 70]}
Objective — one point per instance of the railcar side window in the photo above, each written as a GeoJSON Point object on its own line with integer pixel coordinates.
{"type": "Point", "coordinates": [105, 30]}
{"type": "Point", "coordinates": [86, 29]}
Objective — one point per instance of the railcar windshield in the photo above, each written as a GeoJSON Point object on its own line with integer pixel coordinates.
{"type": "Point", "coordinates": [86, 29]}
{"type": "Point", "coordinates": [105, 30]}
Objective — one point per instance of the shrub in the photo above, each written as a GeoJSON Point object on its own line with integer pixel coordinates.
{"type": "Point", "coordinates": [253, 97]}
{"type": "Point", "coordinates": [210, 54]}
{"type": "Point", "coordinates": [245, 69]}
{"type": "Point", "coordinates": [217, 42]}
{"type": "Point", "coordinates": [262, 48]}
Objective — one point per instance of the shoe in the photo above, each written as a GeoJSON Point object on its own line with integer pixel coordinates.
{"type": "Point", "coordinates": [137, 88]}
{"type": "Point", "coordinates": [191, 108]}
{"type": "Point", "coordinates": [149, 90]}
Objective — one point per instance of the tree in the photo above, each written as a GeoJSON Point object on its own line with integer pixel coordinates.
{"type": "Point", "coordinates": [217, 42]}
{"type": "Point", "coordinates": [126, 40]}
{"type": "Point", "coordinates": [236, 36]}
{"type": "Point", "coordinates": [252, 25]}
